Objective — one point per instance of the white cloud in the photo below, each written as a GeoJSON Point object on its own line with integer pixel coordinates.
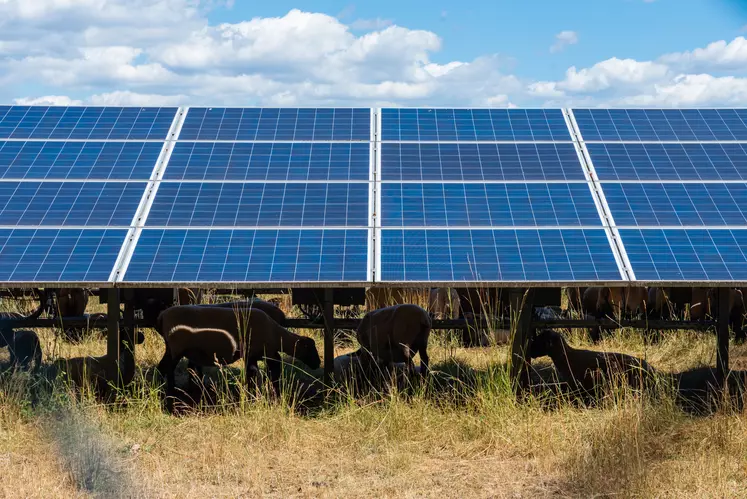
{"type": "Point", "coordinates": [47, 100]}
{"type": "Point", "coordinates": [563, 39]}
{"type": "Point", "coordinates": [716, 55]}
{"type": "Point", "coordinates": [166, 52]}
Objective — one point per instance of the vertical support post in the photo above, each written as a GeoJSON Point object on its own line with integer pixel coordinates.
{"type": "Point", "coordinates": [521, 329]}
{"type": "Point", "coordinates": [329, 335]}
{"type": "Point", "coordinates": [113, 339]}
{"type": "Point", "coordinates": [128, 336]}
{"type": "Point", "coordinates": [722, 336]}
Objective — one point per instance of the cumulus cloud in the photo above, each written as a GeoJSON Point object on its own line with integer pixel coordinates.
{"type": "Point", "coordinates": [563, 39]}
{"type": "Point", "coordinates": [166, 52]}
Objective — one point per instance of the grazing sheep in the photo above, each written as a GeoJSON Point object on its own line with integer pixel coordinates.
{"type": "Point", "coordinates": [444, 303]}
{"type": "Point", "coordinates": [575, 298]}
{"type": "Point", "coordinates": [394, 334]}
{"type": "Point", "coordinates": [579, 368]}
{"type": "Point", "coordinates": [206, 337]}
{"type": "Point", "coordinates": [99, 372]}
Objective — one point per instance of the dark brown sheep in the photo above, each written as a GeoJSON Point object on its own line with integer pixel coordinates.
{"type": "Point", "coordinates": [205, 337]}
{"type": "Point", "coordinates": [24, 348]}
{"type": "Point", "coordinates": [580, 368]}
{"type": "Point", "coordinates": [270, 309]}
{"type": "Point", "coordinates": [394, 334]}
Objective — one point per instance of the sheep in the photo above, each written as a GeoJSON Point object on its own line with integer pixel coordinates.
{"type": "Point", "coordinates": [579, 367]}
{"type": "Point", "coordinates": [698, 388]}
{"type": "Point", "coordinates": [444, 303]}
{"type": "Point", "coordinates": [205, 337]}
{"type": "Point", "coordinates": [270, 309]}
{"type": "Point", "coordinates": [602, 302]}
{"type": "Point", "coordinates": [394, 334]}
{"type": "Point", "coordinates": [23, 346]}
{"type": "Point", "coordinates": [98, 371]}
{"type": "Point", "coordinates": [666, 302]}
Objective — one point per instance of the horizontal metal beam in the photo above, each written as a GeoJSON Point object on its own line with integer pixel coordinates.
{"type": "Point", "coordinates": [635, 324]}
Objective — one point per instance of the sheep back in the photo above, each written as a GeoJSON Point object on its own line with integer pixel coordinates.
{"type": "Point", "coordinates": [380, 330]}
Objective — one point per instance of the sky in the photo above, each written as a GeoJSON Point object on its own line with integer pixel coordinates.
{"type": "Point", "coordinates": [489, 53]}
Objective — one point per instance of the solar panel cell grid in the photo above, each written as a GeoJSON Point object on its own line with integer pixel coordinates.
{"type": "Point", "coordinates": [269, 161]}
{"type": "Point", "coordinates": [114, 123]}
{"type": "Point", "coordinates": [687, 254]}
{"type": "Point", "coordinates": [78, 160]}
{"type": "Point", "coordinates": [434, 255]}
{"type": "Point", "coordinates": [653, 204]}
{"type": "Point", "coordinates": [488, 205]}
{"type": "Point", "coordinates": [661, 124]}
{"type": "Point", "coordinates": [260, 205]}
{"type": "Point", "coordinates": [58, 255]}
{"type": "Point", "coordinates": [69, 203]}
{"type": "Point", "coordinates": [669, 161]}
{"type": "Point", "coordinates": [265, 256]}
{"type": "Point", "coordinates": [273, 124]}
{"type": "Point", "coordinates": [473, 124]}
{"type": "Point", "coordinates": [470, 162]}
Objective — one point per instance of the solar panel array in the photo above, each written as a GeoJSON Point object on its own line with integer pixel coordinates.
{"type": "Point", "coordinates": [674, 181]}
{"type": "Point", "coordinates": [294, 196]}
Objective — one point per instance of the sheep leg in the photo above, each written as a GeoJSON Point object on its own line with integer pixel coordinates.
{"type": "Point", "coordinates": [421, 346]}
{"type": "Point", "coordinates": [166, 368]}
{"type": "Point", "coordinates": [275, 368]}
{"type": "Point", "coordinates": [251, 371]}
{"type": "Point", "coordinates": [193, 389]}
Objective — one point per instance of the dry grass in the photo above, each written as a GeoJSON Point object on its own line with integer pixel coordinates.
{"type": "Point", "coordinates": [467, 438]}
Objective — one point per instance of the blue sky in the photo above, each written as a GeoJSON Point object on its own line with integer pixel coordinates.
{"type": "Point", "coordinates": [407, 52]}
{"type": "Point", "coordinates": [524, 30]}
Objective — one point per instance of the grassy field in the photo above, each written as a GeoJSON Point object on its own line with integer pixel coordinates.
{"type": "Point", "coordinates": [464, 436]}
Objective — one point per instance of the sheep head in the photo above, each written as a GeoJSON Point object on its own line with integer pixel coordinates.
{"type": "Point", "coordinates": [307, 353]}
{"type": "Point", "coordinates": [545, 342]}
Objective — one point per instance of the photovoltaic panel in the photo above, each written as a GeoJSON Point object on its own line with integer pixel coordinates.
{"type": "Point", "coordinates": [473, 124]}
{"type": "Point", "coordinates": [479, 162]}
{"type": "Point", "coordinates": [269, 161]}
{"type": "Point", "coordinates": [260, 205]}
{"type": "Point", "coordinates": [662, 124]}
{"type": "Point", "coordinates": [69, 203]}
{"type": "Point", "coordinates": [264, 256]}
{"type": "Point", "coordinates": [120, 123]}
{"type": "Point", "coordinates": [272, 124]}
{"type": "Point", "coordinates": [78, 160]}
{"type": "Point", "coordinates": [58, 255]}
{"type": "Point", "coordinates": [656, 204]}
{"type": "Point", "coordinates": [687, 254]}
{"type": "Point", "coordinates": [439, 255]}
{"type": "Point", "coordinates": [669, 161]}
{"type": "Point", "coordinates": [487, 205]}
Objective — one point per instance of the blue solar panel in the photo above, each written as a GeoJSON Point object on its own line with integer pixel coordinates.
{"type": "Point", "coordinates": [78, 160]}
{"type": "Point", "coordinates": [269, 161]}
{"type": "Point", "coordinates": [662, 124]}
{"type": "Point", "coordinates": [445, 162]}
{"type": "Point", "coordinates": [58, 255]}
{"type": "Point", "coordinates": [687, 254]}
{"type": "Point", "coordinates": [69, 203]}
{"type": "Point", "coordinates": [309, 255]}
{"type": "Point", "coordinates": [473, 124]}
{"type": "Point", "coordinates": [669, 161]}
{"type": "Point", "coordinates": [677, 204]}
{"type": "Point", "coordinates": [434, 255]}
{"type": "Point", "coordinates": [487, 205]}
{"type": "Point", "coordinates": [124, 123]}
{"type": "Point", "coordinates": [277, 124]}
{"type": "Point", "coordinates": [260, 205]}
